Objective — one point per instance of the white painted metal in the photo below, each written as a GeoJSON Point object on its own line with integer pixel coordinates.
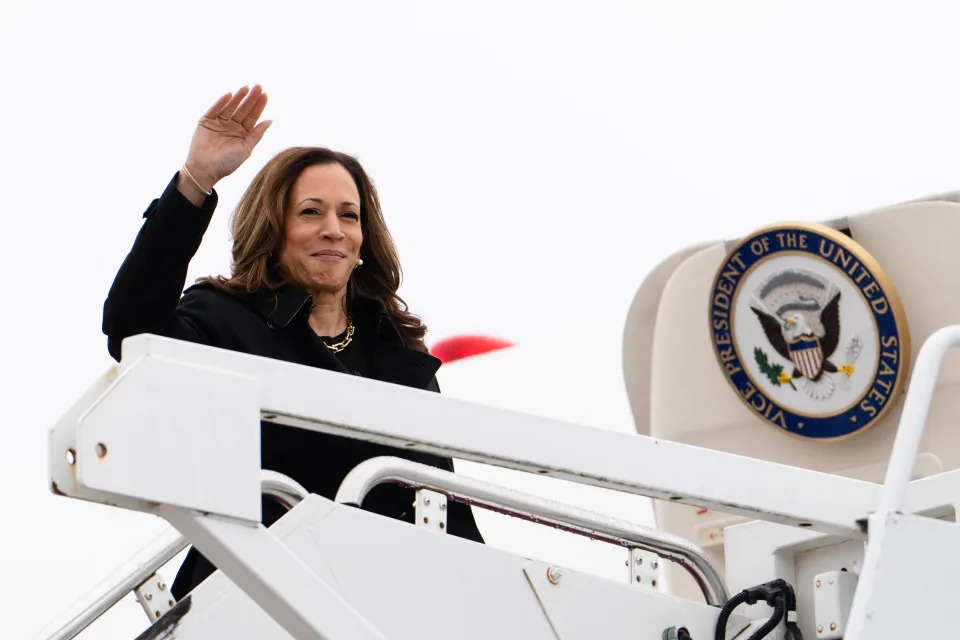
{"type": "Point", "coordinates": [114, 587]}
{"type": "Point", "coordinates": [370, 410]}
{"type": "Point", "coordinates": [832, 596]}
{"type": "Point", "coordinates": [761, 551]}
{"type": "Point", "coordinates": [279, 582]}
{"type": "Point", "coordinates": [281, 488]}
{"type": "Point", "coordinates": [935, 497]}
{"type": "Point", "coordinates": [154, 596]}
{"type": "Point", "coordinates": [914, 418]}
{"type": "Point", "coordinates": [905, 448]}
{"type": "Point", "coordinates": [101, 450]}
{"type": "Point", "coordinates": [584, 607]}
{"type": "Point", "coordinates": [147, 561]}
{"type": "Point", "coordinates": [435, 587]}
{"type": "Point", "coordinates": [430, 510]}
{"type": "Point", "coordinates": [644, 568]}
{"type": "Point", "coordinates": [63, 452]}
{"type": "Point", "coordinates": [374, 471]}
{"type": "Point", "coordinates": [808, 563]}
{"type": "Point", "coordinates": [148, 423]}
{"type": "Point", "coordinates": [913, 592]}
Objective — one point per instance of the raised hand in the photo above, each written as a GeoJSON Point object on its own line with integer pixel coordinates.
{"type": "Point", "coordinates": [226, 136]}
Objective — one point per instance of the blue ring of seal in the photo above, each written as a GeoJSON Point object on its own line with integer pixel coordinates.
{"type": "Point", "coordinates": [877, 397]}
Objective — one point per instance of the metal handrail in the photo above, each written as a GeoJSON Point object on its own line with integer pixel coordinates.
{"type": "Point", "coordinates": [903, 457]}
{"type": "Point", "coordinates": [370, 473]}
{"type": "Point", "coordinates": [285, 490]}
{"type": "Point", "coordinates": [913, 419]}
{"type": "Point", "coordinates": [114, 587]}
{"type": "Point", "coordinates": [145, 563]}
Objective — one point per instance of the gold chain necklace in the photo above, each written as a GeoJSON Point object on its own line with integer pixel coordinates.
{"type": "Point", "coordinates": [340, 346]}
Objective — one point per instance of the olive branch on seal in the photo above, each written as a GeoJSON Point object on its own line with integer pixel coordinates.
{"type": "Point", "coordinates": [771, 371]}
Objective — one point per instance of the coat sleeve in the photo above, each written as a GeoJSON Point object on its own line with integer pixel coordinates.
{"type": "Point", "coordinates": [145, 293]}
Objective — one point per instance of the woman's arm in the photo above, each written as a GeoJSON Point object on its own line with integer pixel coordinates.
{"type": "Point", "coordinates": [145, 292]}
{"type": "Point", "coordinates": [144, 295]}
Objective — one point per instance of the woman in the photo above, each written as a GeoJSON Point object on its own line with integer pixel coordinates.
{"type": "Point", "coordinates": [314, 281]}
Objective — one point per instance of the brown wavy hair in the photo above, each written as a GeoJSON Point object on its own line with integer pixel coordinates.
{"type": "Point", "coordinates": [257, 229]}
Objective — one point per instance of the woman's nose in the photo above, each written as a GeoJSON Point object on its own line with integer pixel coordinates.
{"type": "Point", "coordinates": [331, 228]}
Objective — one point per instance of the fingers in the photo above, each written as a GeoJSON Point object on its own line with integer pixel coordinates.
{"type": "Point", "coordinates": [227, 111]}
{"type": "Point", "coordinates": [243, 107]}
{"type": "Point", "coordinates": [218, 106]}
{"type": "Point", "coordinates": [259, 130]}
{"type": "Point", "coordinates": [255, 112]}
{"type": "Point", "coordinates": [249, 102]}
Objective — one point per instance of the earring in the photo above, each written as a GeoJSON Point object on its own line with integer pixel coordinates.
{"type": "Point", "coordinates": [359, 263]}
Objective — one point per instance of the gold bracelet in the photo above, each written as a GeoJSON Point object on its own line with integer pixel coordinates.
{"type": "Point", "coordinates": [186, 172]}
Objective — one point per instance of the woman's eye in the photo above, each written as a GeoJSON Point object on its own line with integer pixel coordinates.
{"type": "Point", "coordinates": [353, 215]}
{"type": "Point", "coordinates": [309, 212]}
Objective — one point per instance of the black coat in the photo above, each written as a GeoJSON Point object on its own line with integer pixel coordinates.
{"type": "Point", "coordinates": [146, 298]}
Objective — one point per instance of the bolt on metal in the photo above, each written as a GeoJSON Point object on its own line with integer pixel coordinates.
{"type": "Point", "coordinates": [554, 574]}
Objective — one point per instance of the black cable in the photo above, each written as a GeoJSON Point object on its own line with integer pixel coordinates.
{"type": "Point", "coordinates": [779, 608]}
{"type": "Point", "coordinates": [793, 631]}
{"type": "Point", "coordinates": [776, 593]}
{"type": "Point", "coordinates": [732, 603]}
{"type": "Point", "coordinates": [791, 599]}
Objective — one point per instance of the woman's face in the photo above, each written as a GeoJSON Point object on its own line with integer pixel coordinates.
{"type": "Point", "coordinates": [321, 229]}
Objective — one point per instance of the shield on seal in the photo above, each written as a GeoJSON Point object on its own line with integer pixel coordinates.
{"type": "Point", "coordinates": [807, 354]}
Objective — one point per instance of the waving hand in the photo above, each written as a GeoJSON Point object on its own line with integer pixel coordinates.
{"type": "Point", "coordinates": [226, 136]}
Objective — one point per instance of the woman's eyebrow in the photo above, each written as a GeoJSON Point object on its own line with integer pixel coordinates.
{"type": "Point", "coordinates": [345, 203]}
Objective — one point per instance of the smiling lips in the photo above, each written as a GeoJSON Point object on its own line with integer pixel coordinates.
{"type": "Point", "coordinates": [329, 255]}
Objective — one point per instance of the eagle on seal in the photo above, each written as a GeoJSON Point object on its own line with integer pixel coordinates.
{"type": "Point", "coordinates": [804, 328]}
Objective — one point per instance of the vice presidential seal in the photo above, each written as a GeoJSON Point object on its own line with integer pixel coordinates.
{"type": "Point", "coordinates": [809, 331]}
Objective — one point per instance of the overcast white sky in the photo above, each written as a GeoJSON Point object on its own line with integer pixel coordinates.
{"type": "Point", "coordinates": [535, 160]}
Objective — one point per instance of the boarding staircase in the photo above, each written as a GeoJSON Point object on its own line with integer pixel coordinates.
{"type": "Point", "coordinates": [865, 560]}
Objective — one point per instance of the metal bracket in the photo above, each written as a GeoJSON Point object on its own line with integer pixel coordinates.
{"type": "Point", "coordinates": [832, 597]}
{"type": "Point", "coordinates": [153, 596]}
{"type": "Point", "coordinates": [431, 510]}
{"type": "Point", "coordinates": [644, 568]}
